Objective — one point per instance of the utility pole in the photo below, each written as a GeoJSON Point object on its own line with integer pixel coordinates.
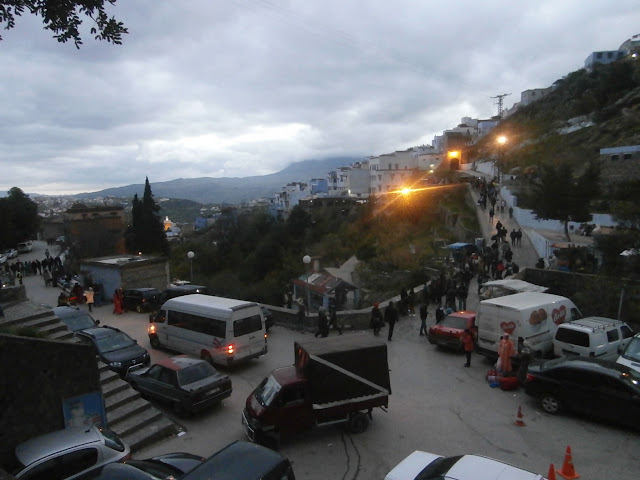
{"type": "Point", "coordinates": [499, 103]}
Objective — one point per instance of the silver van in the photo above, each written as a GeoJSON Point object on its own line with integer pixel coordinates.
{"type": "Point", "coordinates": [220, 330]}
{"type": "Point", "coordinates": [591, 337]}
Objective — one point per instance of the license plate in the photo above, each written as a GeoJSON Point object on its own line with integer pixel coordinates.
{"type": "Point", "coordinates": [211, 392]}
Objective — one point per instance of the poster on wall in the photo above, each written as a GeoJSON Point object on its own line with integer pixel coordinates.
{"type": "Point", "coordinates": [84, 410]}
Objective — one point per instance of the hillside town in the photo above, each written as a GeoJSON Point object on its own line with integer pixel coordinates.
{"type": "Point", "coordinates": [120, 369]}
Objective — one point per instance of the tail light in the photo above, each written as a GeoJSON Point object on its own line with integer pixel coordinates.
{"type": "Point", "coordinates": [230, 349]}
{"type": "Point", "coordinates": [530, 377]}
{"type": "Point", "coordinates": [152, 329]}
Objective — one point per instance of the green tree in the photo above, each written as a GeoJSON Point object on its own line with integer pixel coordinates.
{"type": "Point", "coordinates": [63, 18]}
{"type": "Point", "coordinates": [19, 217]}
{"type": "Point", "coordinates": [146, 232]}
{"type": "Point", "coordinates": [558, 194]}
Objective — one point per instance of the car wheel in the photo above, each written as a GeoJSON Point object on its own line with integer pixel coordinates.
{"type": "Point", "coordinates": [358, 423]}
{"type": "Point", "coordinates": [155, 343]}
{"type": "Point", "coordinates": [551, 403]}
{"type": "Point", "coordinates": [431, 340]}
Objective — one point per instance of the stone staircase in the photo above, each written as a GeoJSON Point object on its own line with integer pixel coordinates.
{"type": "Point", "coordinates": [134, 419]}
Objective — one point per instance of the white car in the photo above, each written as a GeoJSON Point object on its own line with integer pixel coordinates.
{"type": "Point", "coordinates": [11, 253]}
{"type": "Point", "coordinates": [3, 258]}
{"type": "Point", "coordinates": [630, 356]}
{"type": "Point", "coordinates": [425, 466]}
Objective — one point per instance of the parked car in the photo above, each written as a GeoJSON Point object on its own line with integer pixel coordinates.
{"type": "Point", "coordinates": [24, 247]}
{"type": "Point", "coordinates": [243, 460]}
{"type": "Point", "coordinates": [115, 348]}
{"type": "Point", "coordinates": [429, 466]}
{"type": "Point", "coordinates": [75, 319]}
{"type": "Point", "coordinates": [177, 291]}
{"type": "Point", "coordinates": [630, 356]}
{"type": "Point", "coordinates": [591, 337]}
{"type": "Point", "coordinates": [597, 388]}
{"type": "Point", "coordinates": [166, 467]}
{"type": "Point", "coordinates": [187, 383]}
{"type": "Point", "coordinates": [3, 258]}
{"type": "Point", "coordinates": [141, 299]}
{"type": "Point", "coordinates": [68, 453]}
{"type": "Point", "coordinates": [11, 253]}
{"type": "Point", "coordinates": [448, 333]}
{"type": "Point", "coordinates": [268, 317]}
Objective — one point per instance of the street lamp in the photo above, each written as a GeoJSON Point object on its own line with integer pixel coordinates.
{"type": "Point", "coordinates": [501, 141]}
{"type": "Point", "coordinates": [190, 256]}
{"type": "Point", "coordinates": [307, 260]}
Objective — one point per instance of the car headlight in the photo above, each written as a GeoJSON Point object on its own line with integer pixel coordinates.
{"type": "Point", "coordinates": [115, 364]}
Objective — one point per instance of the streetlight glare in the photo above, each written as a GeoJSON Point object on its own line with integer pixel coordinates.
{"type": "Point", "coordinates": [405, 191]}
{"type": "Point", "coordinates": [502, 139]}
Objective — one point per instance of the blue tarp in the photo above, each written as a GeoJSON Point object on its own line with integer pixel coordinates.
{"type": "Point", "coordinates": [460, 245]}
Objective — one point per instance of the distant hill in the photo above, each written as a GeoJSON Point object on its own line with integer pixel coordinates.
{"type": "Point", "coordinates": [231, 190]}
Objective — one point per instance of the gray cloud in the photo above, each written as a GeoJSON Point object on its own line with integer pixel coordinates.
{"type": "Point", "coordinates": [245, 87]}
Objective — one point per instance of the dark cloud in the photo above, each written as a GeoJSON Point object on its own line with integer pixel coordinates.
{"type": "Point", "coordinates": [246, 87]}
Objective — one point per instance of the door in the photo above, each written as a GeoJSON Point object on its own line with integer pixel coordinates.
{"type": "Point", "coordinates": [294, 409]}
{"type": "Point", "coordinates": [161, 383]}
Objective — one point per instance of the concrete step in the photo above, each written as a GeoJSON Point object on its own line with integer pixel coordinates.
{"type": "Point", "coordinates": [150, 433]}
{"type": "Point", "coordinates": [120, 398]}
{"type": "Point", "coordinates": [113, 387]}
{"type": "Point", "coordinates": [64, 335]}
{"type": "Point", "coordinates": [51, 328]}
{"type": "Point", "coordinates": [126, 410]}
{"type": "Point", "coordinates": [107, 375]}
{"type": "Point", "coordinates": [128, 425]}
{"type": "Point", "coordinates": [35, 321]}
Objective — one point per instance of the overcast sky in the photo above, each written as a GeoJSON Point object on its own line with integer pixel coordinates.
{"type": "Point", "coordinates": [237, 88]}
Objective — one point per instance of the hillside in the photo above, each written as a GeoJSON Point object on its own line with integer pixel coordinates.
{"type": "Point", "coordinates": [585, 112]}
{"type": "Point", "coordinates": [230, 190]}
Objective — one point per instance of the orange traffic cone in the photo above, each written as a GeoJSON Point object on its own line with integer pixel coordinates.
{"type": "Point", "coordinates": [567, 470]}
{"type": "Point", "coordinates": [519, 418]}
{"type": "Point", "coordinates": [552, 473]}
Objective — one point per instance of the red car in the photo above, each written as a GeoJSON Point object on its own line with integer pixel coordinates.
{"type": "Point", "coordinates": [448, 333]}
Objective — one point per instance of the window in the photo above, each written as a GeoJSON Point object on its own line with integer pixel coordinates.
{"type": "Point", "coordinates": [574, 337]}
{"type": "Point", "coordinates": [575, 314]}
{"type": "Point", "coordinates": [196, 323]}
{"type": "Point", "coordinates": [64, 466]}
{"type": "Point", "coordinates": [613, 336]}
{"type": "Point", "coordinates": [626, 331]}
{"type": "Point", "coordinates": [615, 157]}
{"type": "Point", "coordinates": [247, 325]}
{"type": "Point", "coordinates": [155, 372]}
{"type": "Point", "coordinates": [626, 156]}
{"type": "Point", "coordinates": [168, 376]}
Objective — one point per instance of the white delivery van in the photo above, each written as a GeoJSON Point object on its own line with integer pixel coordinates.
{"type": "Point", "coordinates": [597, 337]}
{"type": "Point", "coordinates": [220, 330]}
{"type": "Point", "coordinates": [630, 355]}
{"type": "Point", "coordinates": [533, 316]}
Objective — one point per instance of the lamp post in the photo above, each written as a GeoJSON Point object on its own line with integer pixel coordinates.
{"type": "Point", "coordinates": [501, 140]}
{"type": "Point", "coordinates": [307, 260]}
{"type": "Point", "coordinates": [190, 256]}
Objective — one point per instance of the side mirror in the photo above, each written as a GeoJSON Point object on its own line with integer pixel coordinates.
{"type": "Point", "coordinates": [97, 322]}
{"type": "Point", "coordinates": [620, 350]}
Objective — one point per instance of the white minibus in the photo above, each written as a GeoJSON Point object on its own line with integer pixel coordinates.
{"type": "Point", "coordinates": [220, 330]}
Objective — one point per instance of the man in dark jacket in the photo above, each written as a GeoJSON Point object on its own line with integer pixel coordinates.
{"type": "Point", "coordinates": [391, 317]}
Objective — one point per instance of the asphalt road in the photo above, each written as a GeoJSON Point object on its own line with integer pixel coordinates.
{"type": "Point", "coordinates": [436, 405]}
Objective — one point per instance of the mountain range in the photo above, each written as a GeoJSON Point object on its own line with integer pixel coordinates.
{"type": "Point", "coordinates": [234, 190]}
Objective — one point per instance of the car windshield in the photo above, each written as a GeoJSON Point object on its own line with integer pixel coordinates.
{"type": "Point", "coordinates": [452, 321]}
{"type": "Point", "coordinates": [195, 373]}
{"type": "Point", "coordinates": [437, 470]}
{"type": "Point", "coordinates": [632, 352]}
{"type": "Point", "coordinates": [79, 322]}
{"type": "Point", "coordinates": [114, 342]}
{"type": "Point", "coordinates": [268, 391]}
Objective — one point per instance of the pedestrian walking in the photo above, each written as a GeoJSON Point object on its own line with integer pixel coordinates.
{"type": "Point", "coordinates": [524, 358]}
{"type": "Point", "coordinates": [424, 312]}
{"type": "Point", "coordinates": [391, 317]}
{"type": "Point", "coordinates": [333, 320]}
{"type": "Point", "coordinates": [468, 345]}
{"type": "Point", "coordinates": [323, 324]}
{"type": "Point", "coordinates": [491, 212]}
{"type": "Point", "coordinates": [462, 292]}
{"type": "Point", "coordinates": [301, 313]}
{"type": "Point", "coordinates": [89, 295]}
{"type": "Point", "coordinates": [376, 319]}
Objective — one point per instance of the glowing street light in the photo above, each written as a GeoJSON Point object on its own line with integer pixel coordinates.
{"type": "Point", "coordinates": [501, 141]}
